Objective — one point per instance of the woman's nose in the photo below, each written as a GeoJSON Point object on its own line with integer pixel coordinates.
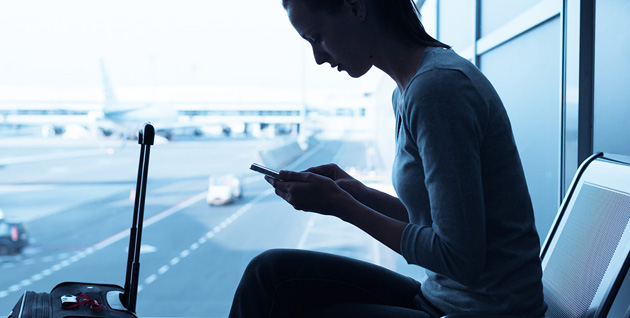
{"type": "Point", "coordinates": [321, 57]}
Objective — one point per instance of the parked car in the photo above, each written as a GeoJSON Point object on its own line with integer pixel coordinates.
{"type": "Point", "coordinates": [13, 237]}
{"type": "Point", "coordinates": [223, 189]}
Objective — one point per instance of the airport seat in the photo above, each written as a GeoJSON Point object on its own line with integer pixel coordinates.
{"type": "Point", "coordinates": [585, 257]}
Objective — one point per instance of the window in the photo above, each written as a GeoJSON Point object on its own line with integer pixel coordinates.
{"type": "Point", "coordinates": [225, 83]}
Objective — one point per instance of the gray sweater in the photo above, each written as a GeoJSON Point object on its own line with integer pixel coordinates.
{"type": "Point", "coordinates": [458, 173]}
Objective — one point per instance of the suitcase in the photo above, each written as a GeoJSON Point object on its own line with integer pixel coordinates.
{"type": "Point", "coordinates": [73, 299]}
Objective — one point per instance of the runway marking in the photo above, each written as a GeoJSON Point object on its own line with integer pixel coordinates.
{"type": "Point", "coordinates": [53, 156]}
{"type": "Point", "coordinates": [376, 252]}
{"type": "Point", "coordinates": [65, 261]}
{"type": "Point", "coordinates": [307, 231]}
{"type": "Point", "coordinates": [8, 265]}
{"type": "Point", "coordinates": [125, 233]}
{"type": "Point", "coordinates": [150, 279]}
{"type": "Point", "coordinates": [163, 269]}
{"type": "Point", "coordinates": [202, 240]}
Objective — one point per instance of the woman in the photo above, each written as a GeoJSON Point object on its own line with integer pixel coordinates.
{"type": "Point", "coordinates": [463, 212]}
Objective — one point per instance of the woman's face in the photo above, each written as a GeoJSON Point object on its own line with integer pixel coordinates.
{"type": "Point", "coordinates": [335, 38]}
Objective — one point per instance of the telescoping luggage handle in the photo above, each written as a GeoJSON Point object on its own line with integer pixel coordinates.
{"type": "Point", "coordinates": [146, 137]}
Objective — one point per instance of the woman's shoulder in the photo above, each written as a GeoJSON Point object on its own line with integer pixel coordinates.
{"type": "Point", "coordinates": [443, 71]}
{"type": "Point", "coordinates": [437, 81]}
{"type": "Point", "coordinates": [440, 57]}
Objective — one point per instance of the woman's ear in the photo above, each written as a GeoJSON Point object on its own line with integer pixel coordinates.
{"type": "Point", "coordinates": [356, 7]}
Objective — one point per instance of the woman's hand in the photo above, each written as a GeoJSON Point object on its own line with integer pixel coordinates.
{"type": "Point", "coordinates": [374, 199]}
{"type": "Point", "coordinates": [351, 185]}
{"type": "Point", "coordinates": [319, 190]}
{"type": "Point", "coordinates": [311, 192]}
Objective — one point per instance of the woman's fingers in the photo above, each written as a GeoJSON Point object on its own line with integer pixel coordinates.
{"type": "Point", "coordinates": [330, 170]}
{"type": "Point", "coordinates": [303, 190]}
{"type": "Point", "coordinates": [287, 175]}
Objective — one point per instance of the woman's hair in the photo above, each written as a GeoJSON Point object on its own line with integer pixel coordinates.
{"type": "Point", "coordinates": [401, 17]}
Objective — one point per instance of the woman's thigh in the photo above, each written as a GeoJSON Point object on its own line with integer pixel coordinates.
{"type": "Point", "coordinates": [297, 281]}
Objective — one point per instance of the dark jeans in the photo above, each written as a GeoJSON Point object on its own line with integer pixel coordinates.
{"type": "Point", "coordinates": [294, 283]}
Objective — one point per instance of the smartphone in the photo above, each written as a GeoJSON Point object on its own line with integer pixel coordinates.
{"type": "Point", "coordinates": [266, 171]}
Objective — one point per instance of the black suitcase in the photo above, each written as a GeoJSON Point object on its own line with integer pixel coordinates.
{"type": "Point", "coordinates": [70, 299]}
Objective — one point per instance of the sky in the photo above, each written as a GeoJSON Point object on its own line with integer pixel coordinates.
{"type": "Point", "coordinates": [153, 48]}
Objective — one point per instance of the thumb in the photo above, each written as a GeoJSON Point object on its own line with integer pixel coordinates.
{"type": "Point", "coordinates": [287, 175]}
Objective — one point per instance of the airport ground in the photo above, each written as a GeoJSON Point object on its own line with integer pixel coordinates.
{"type": "Point", "coordinates": [75, 198]}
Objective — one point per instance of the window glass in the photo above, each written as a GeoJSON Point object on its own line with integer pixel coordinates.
{"type": "Point", "coordinates": [528, 82]}
{"type": "Point", "coordinates": [496, 13]}
{"type": "Point", "coordinates": [226, 84]}
{"type": "Point", "coordinates": [611, 111]}
{"type": "Point", "coordinates": [457, 23]}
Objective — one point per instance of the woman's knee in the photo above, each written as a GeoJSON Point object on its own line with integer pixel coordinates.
{"type": "Point", "coordinates": [271, 263]}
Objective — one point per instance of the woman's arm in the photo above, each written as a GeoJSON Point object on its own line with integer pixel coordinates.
{"type": "Point", "coordinates": [385, 229]}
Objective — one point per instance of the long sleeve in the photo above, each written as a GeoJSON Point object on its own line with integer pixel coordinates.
{"type": "Point", "coordinates": [447, 131]}
{"type": "Point", "coordinates": [458, 172]}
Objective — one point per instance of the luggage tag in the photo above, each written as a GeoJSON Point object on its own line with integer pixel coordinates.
{"type": "Point", "coordinates": [72, 301]}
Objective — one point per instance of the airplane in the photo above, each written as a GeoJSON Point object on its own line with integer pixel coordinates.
{"type": "Point", "coordinates": [126, 118]}
{"type": "Point", "coordinates": [114, 118]}
{"type": "Point", "coordinates": [77, 120]}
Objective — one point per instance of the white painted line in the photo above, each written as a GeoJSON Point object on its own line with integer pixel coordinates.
{"type": "Point", "coordinates": [307, 231]}
{"type": "Point", "coordinates": [311, 221]}
{"type": "Point", "coordinates": [29, 262]}
{"type": "Point", "coordinates": [163, 269]}
{"type": "Point", "coordinates": [114, 238]}
{"type": "Point", "coordinates": [307, 155]}
{"type": "Point", "coordinates": [150, 279]}
{"type": "Point", "coordinates": [376, 253]}
{"type": "Point", "coordinates": [195, 245]}
{"type": "Point", "coordinates": [53, 156]}
{"type": "Point", "coordinates": [125, 233]}
{"type": "Point", "coordinates": [66, 261]}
